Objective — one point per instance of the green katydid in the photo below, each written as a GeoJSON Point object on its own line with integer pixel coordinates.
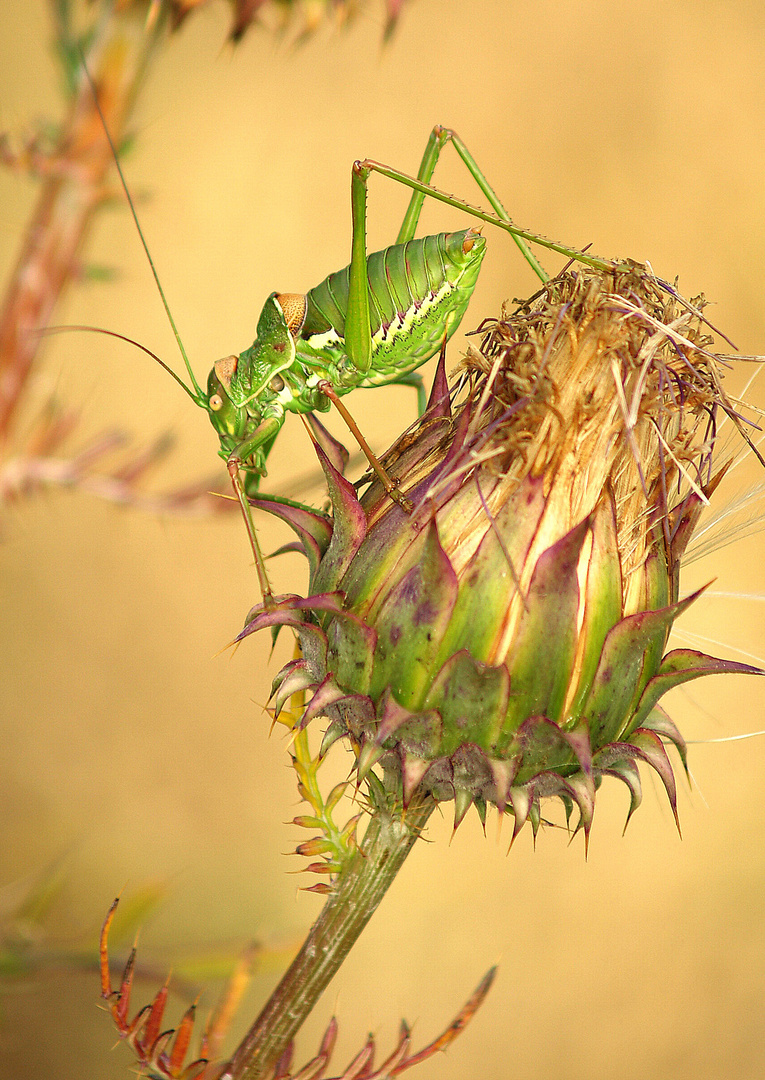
{"type": "Point", "coordinates": [373, 323]}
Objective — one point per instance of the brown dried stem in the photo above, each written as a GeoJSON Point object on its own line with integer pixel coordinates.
{"type": "Point", "coordinates": [73, 188]}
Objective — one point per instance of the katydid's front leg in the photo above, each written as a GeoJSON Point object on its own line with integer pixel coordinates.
{"type": "Point", "coordinates": [264, 434]}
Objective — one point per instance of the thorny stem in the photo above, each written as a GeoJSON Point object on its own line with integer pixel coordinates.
{"type": "Point", "coordinates": [360, 887]}
{"type": "Point", "coordinates": [73, 188]}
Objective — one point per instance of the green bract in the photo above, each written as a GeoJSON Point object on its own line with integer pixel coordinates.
{"type": "Point", "coordinates": [505, 640]}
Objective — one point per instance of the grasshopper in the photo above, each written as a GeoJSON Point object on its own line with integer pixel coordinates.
{"type": "Point", "coordinates": [373, 323]}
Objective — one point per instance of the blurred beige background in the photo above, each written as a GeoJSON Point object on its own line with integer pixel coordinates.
{"type": "Point", "coordinates": [137, 751]}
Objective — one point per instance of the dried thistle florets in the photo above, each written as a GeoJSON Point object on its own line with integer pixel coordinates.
{"type": "Point", "coordinates": [600, 381]}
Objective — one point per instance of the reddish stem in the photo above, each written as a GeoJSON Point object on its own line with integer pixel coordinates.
{"type": "Point", "coordinates": [73, 187]}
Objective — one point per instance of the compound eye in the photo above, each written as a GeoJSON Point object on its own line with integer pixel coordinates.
{"type": "Point", "coordinates": [277, 383]}
{"type": "Point", "coordinates": [216, 402]}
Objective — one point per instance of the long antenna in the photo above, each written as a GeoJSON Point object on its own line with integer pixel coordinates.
{"type": "Point", "coordinates": [122, 337]}
{"type": "Point", "coordinates": [199, 397]}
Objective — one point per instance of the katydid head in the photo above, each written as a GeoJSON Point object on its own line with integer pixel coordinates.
{"type": "Point", "coordinates": [247, 393]}
{"type": "Point", "coordinates": [226, 417]}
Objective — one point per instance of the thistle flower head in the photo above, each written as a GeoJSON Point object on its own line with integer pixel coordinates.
{"type": "Point", "coordinates": [505, 640]}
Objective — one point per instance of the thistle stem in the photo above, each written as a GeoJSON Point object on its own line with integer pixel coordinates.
{"type": "Point", "coordinates": [360, 887]}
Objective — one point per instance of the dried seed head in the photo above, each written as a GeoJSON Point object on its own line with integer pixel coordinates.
{"type": "Point", "coordinates": [308, 14]}
{"type": "Point", "coordinates": [506, 640]}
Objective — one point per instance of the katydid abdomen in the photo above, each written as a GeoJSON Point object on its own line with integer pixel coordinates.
{"type": "Point", "coordinates": [418, 293]}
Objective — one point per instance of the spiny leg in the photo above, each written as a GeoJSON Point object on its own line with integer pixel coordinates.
{"type": "Point", "coordinates": [358, 335]}
{"type": "Point", "coordinates": [358, 338]}
{"type": "Point", "coordinates": [357, 325]}
{"type": "Point", "coordinates": [362, 169]}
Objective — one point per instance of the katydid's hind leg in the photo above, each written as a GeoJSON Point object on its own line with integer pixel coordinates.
{"type": "Point", "coordinates": [234, 466]}
{"type": "Point", "coordinates": [390, 485]}
{"type": "Point", "coordinates": [414, 379]}
{"type": "Point", "coordinates": [358, 336]}
{"type": "Point", "coordinates": [493, 199]}
{"type": "Point", "coordinates": [358, 331]}
{"type": "Point", "coordinates": [437, 140]}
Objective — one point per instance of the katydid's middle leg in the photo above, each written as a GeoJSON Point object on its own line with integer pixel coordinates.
{"type": "Point", "coordinates": [414, 379]}
{"type": "Point", "coordinates": [390, 485]}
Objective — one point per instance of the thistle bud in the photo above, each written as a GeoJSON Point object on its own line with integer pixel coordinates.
{"type": "Point", "coordinates": [498, 634]}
